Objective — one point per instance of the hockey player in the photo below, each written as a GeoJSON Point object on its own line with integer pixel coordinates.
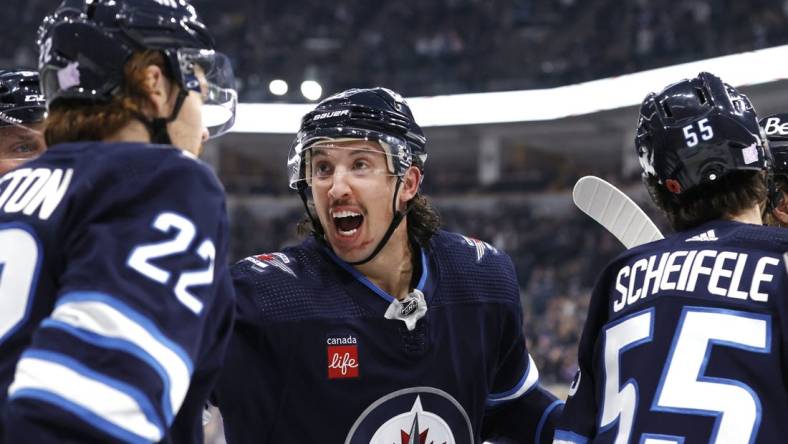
{"type": "Point", "coordinates": [115, 300]}
{"type": "Point", "coordinates": [379, 327]}
{"type": "Point", "coordinates": [776, 129]}
{"type": "Point", "coordinates": [684, 336]}
{"type": "Point", "coordinates": [22, 112]}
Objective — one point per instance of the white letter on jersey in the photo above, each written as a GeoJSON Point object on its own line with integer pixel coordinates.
{"type": "Point", "coordinates": [759, 276]}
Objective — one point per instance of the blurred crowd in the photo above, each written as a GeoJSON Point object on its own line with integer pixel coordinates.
{"type": "Point", "coordinates": [450, 46]}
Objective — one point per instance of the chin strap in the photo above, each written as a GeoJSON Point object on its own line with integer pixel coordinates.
{"type": "Point", "coordinates": [157, 127]}
{"type": "Point", "coordinates": [395, 221]}
{"type": "Point", "coordinates": [317, 229]}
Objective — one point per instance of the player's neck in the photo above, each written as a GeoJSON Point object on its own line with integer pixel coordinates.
{"type": "Point", "coordinates": [392, 269]}
{"type": "Point", "coordinates": [134, 131]}
{"type": "Point", "coordinates": [749, 216]}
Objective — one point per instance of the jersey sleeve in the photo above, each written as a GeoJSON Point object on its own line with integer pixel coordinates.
{"type": "Point", "coordinates": [578, 421]}
{"type": "Point", "coordinates": [518, 408]}
{"type": "Point", "coordinates": [143, 314]}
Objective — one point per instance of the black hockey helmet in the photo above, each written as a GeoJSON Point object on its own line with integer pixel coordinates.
{"type": "Point", "coordinates": [696, 131]}
{"type": "Point", "coordinates": [85, 44]}
{"type": "Point", "coordinates": [377, 114]}
{"type": "Point", "coordinates": [775, 127]}
{"type": "Point", "coordinates": [21, 101]}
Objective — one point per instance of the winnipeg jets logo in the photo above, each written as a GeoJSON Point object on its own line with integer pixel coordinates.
{"type": "Point", "coordinates": [416, 415]}
{"type": "Point", "coordinates": [415, 427]}
{"type": "Point", "coordinates": [480, 246]}
{"type": "Point", "coordinates": [277, 260]}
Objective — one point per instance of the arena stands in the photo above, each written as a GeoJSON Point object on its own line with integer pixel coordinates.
{"type": "Point", "coordinates": [451, 46]}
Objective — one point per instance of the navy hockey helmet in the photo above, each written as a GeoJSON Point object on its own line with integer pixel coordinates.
{"type": "Point", "coordinates": [696, 131]}
{"type": "Point", "coordinates": [377, 114]}
{"type": "Point", "coordinates": [21, 101]}
{"type": "Point", "coordinates": [85, 44]}
{"type": "Point", "coordinates": [775, 127]}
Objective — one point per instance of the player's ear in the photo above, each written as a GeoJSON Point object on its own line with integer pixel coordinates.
{"type": "Point", "coordinates": [157, 86]}
{"type": "Point", "coordinates": [780, 212]}
{"type": "Point", "coordinates": [410, 184]}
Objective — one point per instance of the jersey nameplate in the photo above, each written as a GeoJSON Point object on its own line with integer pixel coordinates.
{"type": "Point", "coordinates": [726, 274]}
{"type": "Point", "coordinates": [29, 190]}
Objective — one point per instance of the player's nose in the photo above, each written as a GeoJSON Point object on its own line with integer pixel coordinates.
{"type": "Point", "coordinates": [339, 185]}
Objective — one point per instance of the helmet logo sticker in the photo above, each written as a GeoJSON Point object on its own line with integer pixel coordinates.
{"type": "Point", "coordinates": [774, 126]}
{"type": "Point", "coordinates": [69, 75]}
{"type": "Point", "coordinates": [327, 115]}
{"type": "Point", "coordinates": [750, 154]}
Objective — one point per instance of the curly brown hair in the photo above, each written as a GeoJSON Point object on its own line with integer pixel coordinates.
{"type": "Point", "coordinates": [72, 121]}
{"type": "Point", "coordinates": [730, 195]}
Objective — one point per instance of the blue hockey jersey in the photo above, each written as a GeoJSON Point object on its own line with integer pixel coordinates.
{"type": "Point", "coordinates": [115, 299]}
{"type": "Point", "coordinates": [314, 360]}
{"type": "Point", "coordinates": [684, 342]}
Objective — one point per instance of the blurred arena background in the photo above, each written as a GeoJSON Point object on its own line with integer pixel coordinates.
{"type": "Point", "coordinates": [506, 183]}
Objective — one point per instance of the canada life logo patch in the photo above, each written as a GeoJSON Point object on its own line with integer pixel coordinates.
{"type": "Point", "coordinates": [342, 357]}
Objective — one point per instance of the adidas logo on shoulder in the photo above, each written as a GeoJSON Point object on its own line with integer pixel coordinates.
{"type": "Point", "coordinates": [707, 236]}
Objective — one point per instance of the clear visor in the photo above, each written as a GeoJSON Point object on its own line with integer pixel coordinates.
{"type": "Point", "coordinates": [313, 160]}
{"type": "Point", "coordinates": [20, 141]}
{"type": "Point", "coordinates": [210, 74]}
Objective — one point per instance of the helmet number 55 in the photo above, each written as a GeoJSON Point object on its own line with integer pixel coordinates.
{"type": "Point", "coordinates": [705, 130]}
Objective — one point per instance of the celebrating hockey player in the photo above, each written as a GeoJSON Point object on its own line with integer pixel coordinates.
{"type": "Point", "coordinates": [115, 300]}
{"type": "Point", "coordinates": [22, 112]}
{"type": "Point", "coordinates": [379, 327]}
{"type": "Point", "coordinates": [684, 336]}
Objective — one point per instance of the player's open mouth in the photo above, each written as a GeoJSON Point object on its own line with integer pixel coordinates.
{"type": "Point", "coordinates": [347, 222]}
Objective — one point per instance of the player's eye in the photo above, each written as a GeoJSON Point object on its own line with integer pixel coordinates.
{"type": "Point", "coordinates": [361, 165]}
{"type": "Point", "coordinates": [24, 150]}
{"type": "Point", "coordinates": [321, 170]}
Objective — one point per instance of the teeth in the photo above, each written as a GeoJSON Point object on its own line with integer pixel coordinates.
{"type": "Point", "coordinates": [339, 214]}
{"type": "Point", "coordinates": [348, 233]}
